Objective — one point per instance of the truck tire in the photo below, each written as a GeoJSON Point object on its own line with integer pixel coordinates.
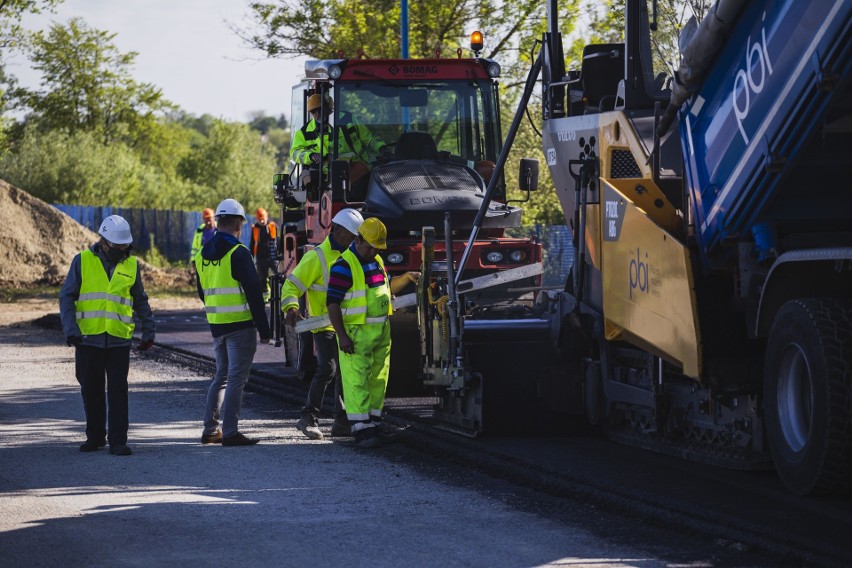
{"type": "Point", "coordinates": [592, 395]}
{"type": "Point", "coordinates": [807, 395]}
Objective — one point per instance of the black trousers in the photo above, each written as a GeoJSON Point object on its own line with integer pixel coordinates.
{"type": "Point", "coordinates": [328, 371]}
{"type": "Point", "coordinates": [263, 268]}
{"type": "Point", "coordinates": [96, 367]}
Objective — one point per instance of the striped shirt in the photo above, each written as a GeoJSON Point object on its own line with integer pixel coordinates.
{"type": "Point", "coordinates": [340, 277]}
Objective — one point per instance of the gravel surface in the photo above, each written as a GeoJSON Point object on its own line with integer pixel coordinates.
{"type": "Point", "coordinates": [285, 502]}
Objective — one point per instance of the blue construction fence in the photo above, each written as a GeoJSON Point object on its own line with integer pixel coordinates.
{"type": "Point", "coordinates": [558, 251]}
{"type": "Point", "coordinates": [170, 231]}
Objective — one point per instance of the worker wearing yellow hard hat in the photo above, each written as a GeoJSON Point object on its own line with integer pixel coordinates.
{"type": "Point", "coordinates": [359, 305]}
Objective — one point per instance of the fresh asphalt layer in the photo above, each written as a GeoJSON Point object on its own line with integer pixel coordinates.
{"type": "Point", "coordinates": [288, 501]}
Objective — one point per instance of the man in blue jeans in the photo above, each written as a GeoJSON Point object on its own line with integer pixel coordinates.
{"type": "Point", "coordinates": [228, 285]}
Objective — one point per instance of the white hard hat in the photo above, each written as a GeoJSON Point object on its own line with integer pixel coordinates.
{"type": "Point", "coordinates": [349, 219]}
{"type": "Point", "coordinates": [116, 230]}
{"type": "Point", "coordinates": [230, 207]}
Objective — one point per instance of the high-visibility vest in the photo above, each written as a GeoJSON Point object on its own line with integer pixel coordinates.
{"type": "Point", "coordinates": [271, 229]}
{"type": "Point", "coordinates": [355, 141]}
{"type": "Point", "coordinates": [224, 298]}
{"type": "Point", "coordinates": [105, 304]}
{"type": "Point", "coordinates": [196, 241]}
{"type": "Point", "coordinates": [354, 304]}
{"type": "Point", "coordinates": [310, 277]}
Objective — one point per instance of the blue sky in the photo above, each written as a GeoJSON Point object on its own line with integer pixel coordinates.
{"type": "Point", "coordinates": [187, 49]}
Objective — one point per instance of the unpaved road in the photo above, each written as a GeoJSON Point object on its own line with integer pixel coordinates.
{"type": "Point", "coordinates": [285, 502]}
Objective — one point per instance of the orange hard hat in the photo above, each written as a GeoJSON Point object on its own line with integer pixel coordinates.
{"type": "Point", "coordinates": [261, 214]}
{"type": "Point", "coordinates": [315, 102]}
{"type": "Point", "coordinates": [208, 213]}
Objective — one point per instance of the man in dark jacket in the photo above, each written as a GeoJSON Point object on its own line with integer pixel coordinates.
{"type": "Point", "coordinates": [102, 292]}
{"type": "Point", "coordinates": [228, 286]}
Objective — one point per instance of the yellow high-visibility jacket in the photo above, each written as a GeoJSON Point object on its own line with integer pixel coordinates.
{"type": "Point", "coordinates": [105, 305]}
{"type": "Point", "coordinates": [310, 277]}
{"type": "Point", "coordinates": [355, 141]}
{"type": "Point", "coordinates": [224, 298]}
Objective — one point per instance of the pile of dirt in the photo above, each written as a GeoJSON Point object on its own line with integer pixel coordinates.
{"type": "Point", "coordinates": [38, 242]}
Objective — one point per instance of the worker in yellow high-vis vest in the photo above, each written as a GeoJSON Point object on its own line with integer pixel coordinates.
{"type": "Point", "coordinates": [359, 305]}
{"type": "Point", "coordinates": [310, 277]}
{"type": "Point", "coordinates": [203, 233]}
{"type": "Point", "coordinates": [228, 286]}
{"type": "Point", "coordinates": [100, 295]}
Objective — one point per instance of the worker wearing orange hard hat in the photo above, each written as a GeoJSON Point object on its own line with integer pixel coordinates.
{"type": "Point", "coordinates": [262, 247]}
{"type": "Point", "coordinates": [203, 233]}
{"type": "Point", "coordinates": [355, 142]}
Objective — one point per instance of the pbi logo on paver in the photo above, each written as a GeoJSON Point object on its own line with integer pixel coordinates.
{"type": "Point", "coordinates": [638, 273]}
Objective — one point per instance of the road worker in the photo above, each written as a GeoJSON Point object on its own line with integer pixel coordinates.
{"type": "Point", "coordinates": [101, 294]}
{"type": "Point", "coordinates": [310, 277]}
{"type": "Point", "coordinates": [355, 141]}
{"type": "Point", "coordinates": [359, 305]}
{"type": "Point", "coordinates": [203, 233]}
{"type": "Point", "coordinates": [262, 247]}
{"type": "Point", "coordinates": [228, 286]}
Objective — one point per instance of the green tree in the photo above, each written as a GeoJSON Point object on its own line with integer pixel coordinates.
{"type": "Point", "coordinates": [321, 28]}
{"type": "Point", "coordinates": [232, 161]}
{"type": "Point", "coordinates": [86, 84]}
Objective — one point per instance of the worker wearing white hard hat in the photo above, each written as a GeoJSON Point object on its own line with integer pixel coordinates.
{"type": "Point", "coordinates": [228, 286]}
{"type": "Point", "coordinates": [310, 277]}
{"type": "Point", "coordinates": [102, 293]}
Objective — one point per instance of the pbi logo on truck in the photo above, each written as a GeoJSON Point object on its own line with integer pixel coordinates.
{"type": "Point", "coordinates": [751, 79]}
{"type": "Point", "coordinates": [638, 273]}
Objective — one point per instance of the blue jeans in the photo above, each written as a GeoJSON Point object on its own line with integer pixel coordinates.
{"type": "Point", "coordinates": [234, 354]}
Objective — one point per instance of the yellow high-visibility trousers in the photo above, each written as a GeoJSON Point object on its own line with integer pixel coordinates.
{"type": "Point", "coordinates": [365, 372]}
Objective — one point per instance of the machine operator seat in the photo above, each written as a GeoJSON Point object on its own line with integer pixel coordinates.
{"type": "Point", "coordinates": [416, 145]}
{"type": "Point", "coordinates": [602, 69]}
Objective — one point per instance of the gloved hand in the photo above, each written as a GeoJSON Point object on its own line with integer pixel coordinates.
{"type": "Point", "coordinates": [386, 152]}
{"type": "Point", "coordinates": [145, 345]}
{"type": "Point", "coordinates": [292, 316]}
{"type": "Point", "coordinates": [315, 157]}
{"type": "Point", "coordinates": [73, 340]}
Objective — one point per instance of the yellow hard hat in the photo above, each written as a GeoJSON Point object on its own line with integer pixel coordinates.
{"type": "Point", "coordinates": [315, 102]}
{"type": "Point", "coordinates": [374, 232]}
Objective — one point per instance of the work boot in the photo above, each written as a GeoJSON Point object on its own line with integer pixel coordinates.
{"type": "Point", "coordinates": [239, 440]}
{"type": "Point", "coordinates": [120, 450]}
{"type": "Point", "coordinates": [341, 428]}
{"type": "Point", "coordinates": [214, 438]}
{"type": "Point", "coordinates": [92, 446]}
{"type": "Point", "coordinates": [386, 433]}
{"type": "Point", "coordinates": [309, 427]}
{"type": "Point", "coordinates": [366, 438]}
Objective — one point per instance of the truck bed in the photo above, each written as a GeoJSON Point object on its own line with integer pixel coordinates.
{"type": "Point", "coordinates": [781, 77]}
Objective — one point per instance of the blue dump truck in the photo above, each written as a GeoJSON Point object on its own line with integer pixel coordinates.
{"type": "Point", "coordinates": [709, 309]}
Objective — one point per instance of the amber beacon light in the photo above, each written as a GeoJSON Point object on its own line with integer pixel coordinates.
{"type": "Point", "coordinates": [476, 42]}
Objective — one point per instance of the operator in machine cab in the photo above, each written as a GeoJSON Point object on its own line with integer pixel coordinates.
{"type": "Point", "coordinates": [355, 142]}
